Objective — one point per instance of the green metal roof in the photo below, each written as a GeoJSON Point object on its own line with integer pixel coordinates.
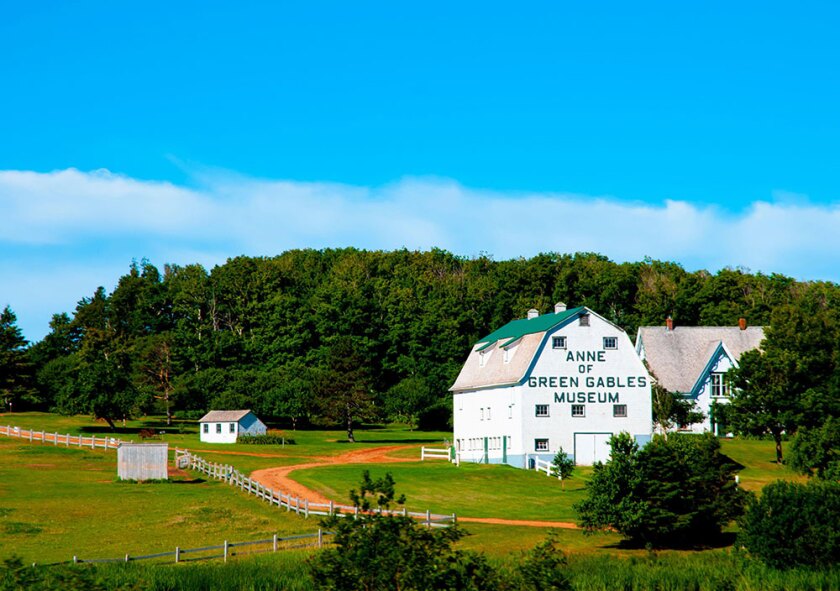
{"type": "Point", "coordinates": [519, 328]}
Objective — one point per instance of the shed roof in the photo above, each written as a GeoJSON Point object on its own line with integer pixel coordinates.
{"type": "Point", "coordinates": [223, 416]}
{"type": "Point", "coordinates": [677, 357]}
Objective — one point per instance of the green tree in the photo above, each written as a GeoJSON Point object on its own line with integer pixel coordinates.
{"type": "Point", "coordinates": [765, 399]}
{"type": "Point", "coordinates": [815, 451]}
{"type": "Point", "coordinates": [545, 567]}
{"type": "Point", "coordinates": [343, 384]}
{"type": "Point", "coordinates": [16, 372]}
{"type": "Point", "coordinates": [155, 370]}
{"type": "Point", "coordinates": [675, 491]}
{"type": "Point", "coordinates": [384, 552]}
{"type": "Point", "coordinates": [407, 400]}
{"type": "Point", "coordinates": [103, 385]}
{"type": "Point", "coordinates": [672, 410]}
{"type": "Point", "coordinates": [562, 466]}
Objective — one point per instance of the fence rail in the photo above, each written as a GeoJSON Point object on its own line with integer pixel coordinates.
{"type": "Point", "coordinates": [185, 459]}
{"type": "Point", "coordinates": [275, 542]}
{"type": "Point", "coordinates": [435, 453]}
{"type": "Point", "coordinates": [57, 439]}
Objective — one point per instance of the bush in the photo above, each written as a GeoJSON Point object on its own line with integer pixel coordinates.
{"type": "Point", "coordinates": [377, 551]}
{"type": "Point", "coordinates": [678, 490]}
{"type": "Point", "coordinates": [267, 439]}
{"type": "Point", "coordinates": [794, 524]}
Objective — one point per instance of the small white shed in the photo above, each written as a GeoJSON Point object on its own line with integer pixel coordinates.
{"type": "Point", "coordinates": [224, 426]}
{"type": "Point", "coordinates": [143, 461]}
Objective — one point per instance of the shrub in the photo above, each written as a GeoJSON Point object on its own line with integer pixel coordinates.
{"type": "Point", "coordinates": [794, 524]}
{"type": "Point", "coordinates": [267, 439]}
{"type": "Point", "coordinates": [380, 551]}
{"type": "Point", "coordinates": [678, 490]}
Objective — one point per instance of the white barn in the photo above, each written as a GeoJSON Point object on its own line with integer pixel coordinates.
{"type": "Point", "coordinates": [693, 361]}
{"type": "Point", "coordinates": [224, 426]}
{"type": "Point", "coordinates": [569, 379]}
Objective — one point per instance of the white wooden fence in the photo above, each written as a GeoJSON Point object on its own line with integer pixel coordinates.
{"type": "Point", "coordinates": [57, 439]}
{"type": "Point", "coordinates": [228, 549]}
{"type": "Point", "coordinates": [435, 453]}
{"type": "Point", "coordinates": [185, 459]}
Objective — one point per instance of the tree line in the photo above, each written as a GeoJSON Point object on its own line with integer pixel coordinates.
{"type": "Point", "coordinates": [343, 335]}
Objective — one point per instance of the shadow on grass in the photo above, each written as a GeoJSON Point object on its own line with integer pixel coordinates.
{"type": "Point", "coordinates": [724, 540]}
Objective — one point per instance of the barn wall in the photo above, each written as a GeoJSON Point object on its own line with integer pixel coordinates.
{"type": "Point", "coordinates": [143, 461]}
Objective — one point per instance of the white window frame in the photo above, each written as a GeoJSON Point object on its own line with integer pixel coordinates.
{"type": "Point", "coordinates": [558, 342]}
{"type": "Point", "coordinates": [538, 407]}
{"type": "Point", "coordinates": [232, 428]}
{"type": "Point", "coordinates": [482, 414]}
{"type": "Point", "coordinates": [488, 413]}
{"type": "Point", "coordinates": [583, 320]}
{"type": "Point", "coordinates": [206, 427]}
{"type": "Point", "coordinates": [579, 407]}
{"type": "Point", "coordinates": [218, 428]}
{"type": "Point", "coordinates": [718, 388]}
{"type": "Point", "coordinates": [613, 340]}
{"type": "Point", "coordinates": [541, 444]}
{"type": "Point", "coordinates": [617, 408]}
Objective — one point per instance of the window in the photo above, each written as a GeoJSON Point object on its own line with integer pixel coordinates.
{"type": "Point", "coordinates": [540, 444]}
{"type": "Point", "coordinates": [510, 411]}
{"type": "Point", "coordinates": [488, 413]}
{"type": "Point", "coordinates": [218, 427]}
{"type": "Point", "coordinates": [482, 358]}
{"type": "Point", "coordinates": [558, 342]}
{"type": "Point", "coordinates": [578, 410]}
{"type": "Point", "coordinates": [233, 427]}
{"type": "Point", "coordinates": [610, 342]}
{"type": "Point", "coordinates": [206, 428]}
{"type": "Point", "coordinates": [584, 320]}
{"type": "Point", "coordinates": [508, 354]}
{"type": "Point", "coordinates": [720, 389]}
{"type": "Point", "coordinates": [482, 413]}
{"type": "Point", "coordinates": [541, 410]}
{"type": "Point", "coordinates": [619, 410]}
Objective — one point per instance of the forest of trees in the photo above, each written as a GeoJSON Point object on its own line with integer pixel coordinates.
{"type": "Point", "coordinates": [343, 335]}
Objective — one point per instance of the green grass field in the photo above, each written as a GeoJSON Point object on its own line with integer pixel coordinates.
{"type": "Point", "coordinates": [57, 502]}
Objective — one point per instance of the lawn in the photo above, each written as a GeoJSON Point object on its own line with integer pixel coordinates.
{"type": "Point", "coordinates": [56, 503]}
{"type": "Point", "coordinates": [471, 490]}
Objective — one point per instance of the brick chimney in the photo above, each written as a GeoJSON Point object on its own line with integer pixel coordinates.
{"type": "Point", "coordinates": [532, 313]}
{"type": "Point", "coordinates": [742, 323]}
{"type": "Point", "coordinates": [669, 324]}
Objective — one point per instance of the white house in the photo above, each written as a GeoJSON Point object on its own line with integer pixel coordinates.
{"type": "Point", "coordinates": [693, 361]}
{"type": "Point", "coordinates": [569, 379]}
{"type": "Point", "coordinates": [224, 426]}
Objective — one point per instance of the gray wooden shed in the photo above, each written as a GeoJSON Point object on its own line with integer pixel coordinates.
{"type": "Point", "coordinates": [143, 461]}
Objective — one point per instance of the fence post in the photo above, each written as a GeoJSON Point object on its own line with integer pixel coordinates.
{"type": "Point", "coordinates": [454, 519]}
{"type": "Point", "coordinates": [274, 543]}
{"type": "Point", "coordinates": [93, 442]}
{"type": "Point", "coordinates": [75, 559]}
{"type": "Point", "coordinates": [55, 438]}
{"type": "Point", "coordinates": [356, 512]}
{"type": "Point", "coordinates": [428, 518]}
{"type": "Point", "coordinates": [80, 441]}
{"type": "Point", "coordinates": [30, 435]}
{"type": "Point", "coordinates": [67, 442]}
{"type": "Point", "coordinates": [306, 508]}
{"type": "Point", "coordinates": [332, 507]}
{"type": "Point", "coordinates": [227, 549]}
{"type": "Point", "coordinates": [126, 557]}
{"type": "Point", "coordinates": [177, 554]}
{"type": "Point", "coordinates": [405, 511]}
{"type": "Point", "coordinates": [297, 505]}
{"type": "Point", "coordinates": [320, 537]}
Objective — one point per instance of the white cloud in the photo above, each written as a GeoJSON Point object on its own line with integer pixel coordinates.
{"type": "Point", "coordinates": [65, 232]}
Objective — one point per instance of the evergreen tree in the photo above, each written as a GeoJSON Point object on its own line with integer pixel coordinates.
{"type": "Point", "coordinates": [16, 378]}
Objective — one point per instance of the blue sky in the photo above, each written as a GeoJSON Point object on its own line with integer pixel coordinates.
{"type": "Point", "coordinates": [194, 131]}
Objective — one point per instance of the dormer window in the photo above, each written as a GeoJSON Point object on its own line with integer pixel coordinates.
{"type": "Point", "coordinates": [720, 389]}
{"type": "Point", "coordinates": [584, 320]}
{"type": "Point", "coordinates": [484, 356]}
{"type": "Point", "coordinates": [558, 342]}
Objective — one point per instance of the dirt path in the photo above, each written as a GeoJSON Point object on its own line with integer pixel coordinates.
{"type": "Point", "coordinates": [280, 479]}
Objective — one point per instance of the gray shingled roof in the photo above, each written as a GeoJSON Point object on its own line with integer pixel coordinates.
{"type": "Point", "coordinates": [223, 416]}
{"type": "Point", "coordinates": [677, 357]}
